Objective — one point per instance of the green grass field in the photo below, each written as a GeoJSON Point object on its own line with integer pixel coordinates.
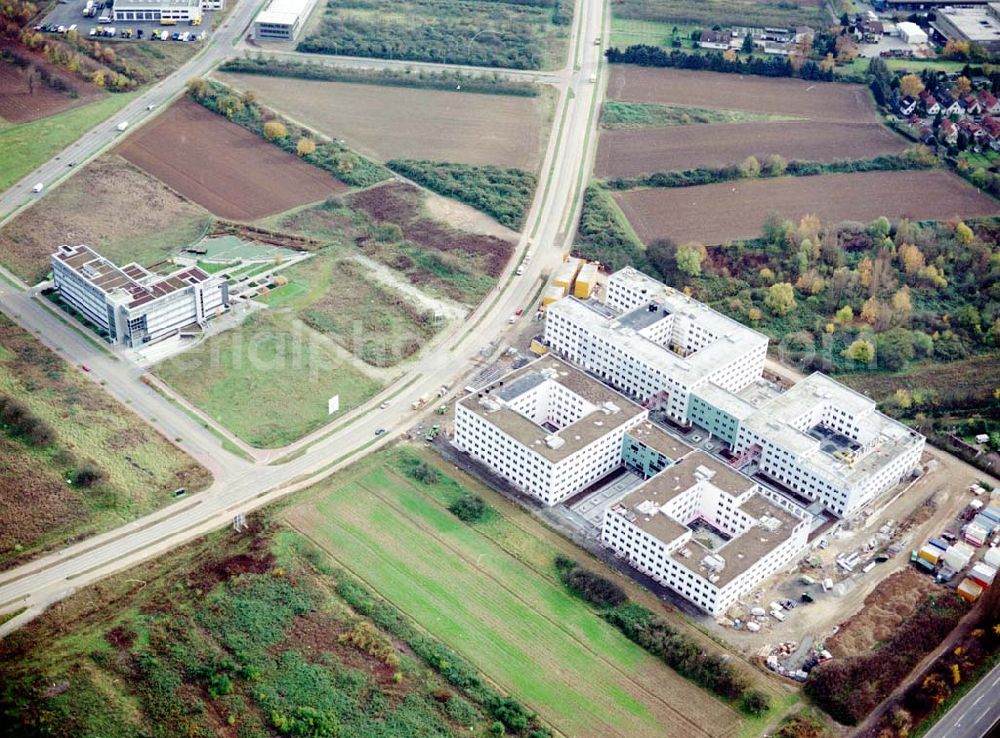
{"type": "Point", "coordinates": [651, 115]}
{"type": "Point", "coordinates": [629, 31]}
{"type": "Point", "coordinates": [466, 587]}
{"type": "Point", "coordinates": [27, 145]}
{"type": "Point", "coordinates": [267, 381]}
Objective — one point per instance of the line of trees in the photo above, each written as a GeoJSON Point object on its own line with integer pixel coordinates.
{"type": "Point", "coordinates": [776, 166]}
{"type": "Point", "coordinates": [712, 671]}
{"type": "Point", "coordinates": [244, 110]}
{"type": "Point", "coordinates": [449, 81]}
{"type": "Point", "coordinates": [503, 192]}
{"type": "Point", "coordinates": [654, 56]}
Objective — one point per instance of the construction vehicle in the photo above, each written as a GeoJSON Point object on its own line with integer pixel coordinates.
{"type": "Point", "coordinates": [420, 402]}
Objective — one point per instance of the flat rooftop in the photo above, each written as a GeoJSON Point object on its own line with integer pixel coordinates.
{"type": "Point", "coordinates": [154, 4]}
{"type": "Point", "coordinates": [773, 420]}
{"type": "Point", "coordinates": [134, 284]}
{"type": "Point", "coordinates": [659, 440]}
{"type": "Point", "coordinates": [611, 409]}
{"type": "Point", "coordinates": [979, 24]}
{"type": "Point", "coordinates": [284, 11]}
{"type": "Point", "coordinates": [741, 551]}
{"type": "Point", "coordinates": [621, 331]}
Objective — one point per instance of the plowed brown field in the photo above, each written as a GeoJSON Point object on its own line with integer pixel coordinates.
{"type": "Point", "coordinates": [384, 122]}
{"type": "Point", "coordinates": [630, 153]}
{"type": "Point", "coordinates": [717, 213]}
{"type": "Point", "coordinates": [223, 167]}
{"type": "Point", "coordinates": [813, 100]}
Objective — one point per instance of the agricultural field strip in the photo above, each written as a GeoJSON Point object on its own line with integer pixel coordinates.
{"type": "Point", "coordinates": [423, 527]}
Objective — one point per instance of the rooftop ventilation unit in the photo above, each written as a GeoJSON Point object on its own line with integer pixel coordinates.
{"type": "Point", "coordinates": [554, 442]}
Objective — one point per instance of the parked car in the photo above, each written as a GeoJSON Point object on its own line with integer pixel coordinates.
{"type": "Point", "coordinates": [379, 431]}
{"type": "Point", "coordinates": [85, 367]}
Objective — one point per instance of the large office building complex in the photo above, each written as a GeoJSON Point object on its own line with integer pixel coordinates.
{"type": "Point", "coordinates": [130, 304]}
{"type": "Point", "coordinates": [706, 531]}
{"type": "Point", "coordinates": [671, 353]}
{"type": "Point", "coordinates": [547, 428]}
{"type": "Point", "coordinates": [655, 343]}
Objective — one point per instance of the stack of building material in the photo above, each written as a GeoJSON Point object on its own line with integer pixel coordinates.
{"type": "Point", "coordinates": [969, 590]}
{"type": "Point", "coordinates": [983, 574]}
{"type": "Point", "coordinates": [552, 294]}
{"type": "Point", "coordinates": [586, 280]}
{"type": "Point", "coordinates": [566, 274]}
{"type": "Point", "coordinates": [958, 555]}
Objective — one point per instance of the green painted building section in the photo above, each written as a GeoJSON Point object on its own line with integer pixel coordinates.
{"type": "Point", "coordinates": [716, 421]}
{"type": "Point", "coordinates": [637, 455]}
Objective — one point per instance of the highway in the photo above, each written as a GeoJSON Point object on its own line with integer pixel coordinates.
{"type": "Point", "coordinates": [975, 714]}
{"type": "Point", "coordinates": [241, 486]}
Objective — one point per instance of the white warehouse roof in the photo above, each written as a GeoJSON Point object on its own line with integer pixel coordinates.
{"type": "Point", "coordinates": [283, 11]}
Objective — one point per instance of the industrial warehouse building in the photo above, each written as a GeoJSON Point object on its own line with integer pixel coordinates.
{"type": "Point", "coordinates": [281, 20]}
{"type": "Point", "coordinates": [978, 25]}
{"type": "Point", "coordinates": [179, 11]}
{"type": "Point", "coordinates": [820, 439]}
{"type": "Point", "coordinates": [132, 305]}
{"type": "Point", "coordinates": [706, 531]}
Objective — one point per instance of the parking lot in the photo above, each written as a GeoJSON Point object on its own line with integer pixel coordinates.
{"type": "Point", "coordinates": [70, 14]}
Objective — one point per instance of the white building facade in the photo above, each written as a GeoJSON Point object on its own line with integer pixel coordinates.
{"type": "Point", "coordinates": [547, 428]}
{"type": "Point", "coordinates": [281, 20]}
{"type": "Point", "coordinates": [179, 11]}
{"type": "Point", "coordinates": [659, 528]}
{"type": "Point", "coordinates": [131, 305]}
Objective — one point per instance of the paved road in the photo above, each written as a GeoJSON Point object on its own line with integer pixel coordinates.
{"type": "Point", "coordinates": [218, 47]}
{"type": "Point", "coordinates": [242, 486]}
{"type": "Point", "coordinates": [975, 714]}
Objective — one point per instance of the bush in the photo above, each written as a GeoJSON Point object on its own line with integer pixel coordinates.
{"type": "Point", "coordinates": [18, 421]}
{"type": "Point", "coordinates": [587, 585]}
{"type": "Point", "coordinates": [469, 508]}
{"type": "Point", "coordinates": [87, 475]}
{"type": "Point", "coordinates": [423, 472]}
{"type": "Point", "coordinates": [754, 702]}
{"type": "Point", "coordinates": [654, 56]}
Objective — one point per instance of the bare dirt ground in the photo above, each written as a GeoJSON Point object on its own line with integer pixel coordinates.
{"type": "Point", "coordinates": [629, 153]}
{"type": "Point", "coordinates": [111, 205]}
{"type": "Point", "coordinates": [714, 214]}
{"type": "Point", "coordinates": [223, 167]}
{"type": "Point", "coordinates": [465, 217]}
{"type": "Point", "coordinates": [813, 100]}
{"type": "Point", "coordinates": [18, 104]}
{"type": "Point", "coordinates": [895, 600]}
{"type": "Point", "coordinates": [384, 122]}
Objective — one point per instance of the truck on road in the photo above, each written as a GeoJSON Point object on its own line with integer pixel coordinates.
{"type": "Point", "coordinates": [38, 187]}
{"type": "Point", "coordinates": [122, 126]}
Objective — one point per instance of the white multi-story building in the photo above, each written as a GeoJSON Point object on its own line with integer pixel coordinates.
{"type": "Point", "coordinates": [547, 428]}
{"type": "Point", "coordinates": [827, 442]}
{"type": "Point", "coordinates": [178, 11]}
{"type": "Point", "coordinates": [130, 304]}
{"type": "Point", "coordinates": [705, 531]}
{"type": "Point", "coordinates": [655, 343]}
{"type": "Point", "coordinates": [281, 20]}
{"type": "Point", "coordinates": [820, 439]}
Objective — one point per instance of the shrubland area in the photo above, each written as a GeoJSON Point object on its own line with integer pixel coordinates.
{"type": "Point", "coordinates": [73, 462]}
{"type": "Point", "coordinates": [737, 12]}
{"type": "Point", "coordinates": [522, 34]}
{"type": "Point", "coordinates": [316, 630]}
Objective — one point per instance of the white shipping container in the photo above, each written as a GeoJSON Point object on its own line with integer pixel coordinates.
{"type": "Point", "coordinates": [958, 555]}
{"type": "Point", "coordinates": [983, 573]}
{"type": "Point", "coordinates": [992, 557]}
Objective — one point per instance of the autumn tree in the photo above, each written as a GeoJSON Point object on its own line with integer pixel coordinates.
{"type": "Point", "coordinates": [776, 165]}
{"type": "Point", "coordinates": [861, 350]}
{"type": "Point", "coordinates": [780, 298]}
{"type": "Point", "coordinates": [750, 168]}
{"type": "Point", "coordinates": [902, 307]}
{"type": "Point", "coordinates": [305, 146]}
{"type": "Point", "coordinates": [729, 55]}
{"type": "Point", "coordinates": [911, 85]}
{"type": "Point", "coordinates": [248, 97]}
{"type": "Point", "coordinates": [828, 63]}
{"type": "Point", "coordinates": [689, 258]}
{"type": "Point", "coordinates": [274, 130]}
{"type": "Point", "coordinates": [230, 105]}
{"type": "Point", "coordinates": [844, 315]}
{"type": "Point", "coordinates": [197, 88]}
{"type": "Point", "coordinates": [964, 234]}
{"type": "Point", "coordinates": [963, 86]}
{"type": "Point", "coordinates": [911, 258]}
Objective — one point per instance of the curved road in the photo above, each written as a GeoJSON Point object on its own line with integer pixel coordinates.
{"type": "Point", "coordinates": [241, 486]}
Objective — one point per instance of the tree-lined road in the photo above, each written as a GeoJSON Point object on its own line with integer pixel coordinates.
{"type": "Point", "coordinates": [239, 485]}
{"type": "Point", "coordinates": [975, 714]}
